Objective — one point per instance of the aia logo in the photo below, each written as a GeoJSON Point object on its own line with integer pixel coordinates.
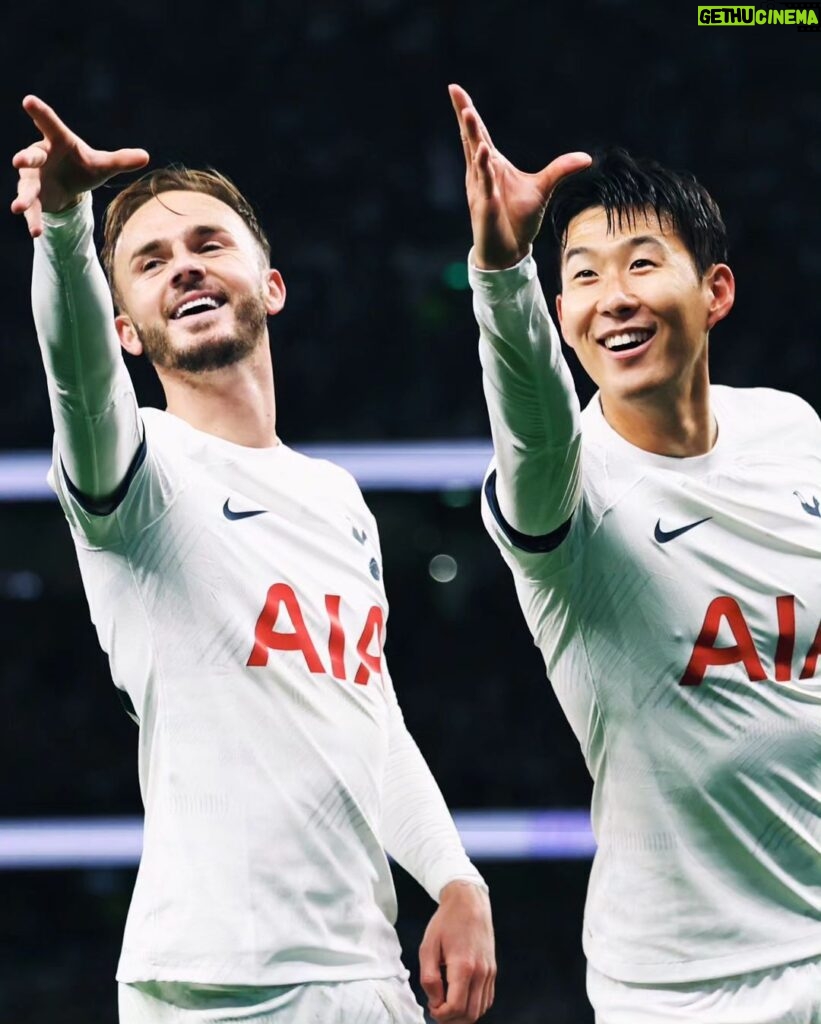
{"type": "Point", "coordinates": [267, 638]}
{"type": "Point", "coordinates": [744, 651]}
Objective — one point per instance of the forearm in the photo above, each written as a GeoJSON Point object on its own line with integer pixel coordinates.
{"type": "Point", "coordinates": [418, 830]}
{"type": "Point", "coordinates": [532, 403]}
{"type": "Point", "coordinates": [92, 399]}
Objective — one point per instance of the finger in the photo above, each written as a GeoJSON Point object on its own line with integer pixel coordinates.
{"type": "Point", "coordinates": [476, 999]}
{"type": "Point", "coordinates": [488, 991]}
{"type": "Point", "coordinates": [34, 219]}
{"type": "Point", "coordinates": [462, 103]}
{"type": "Point", "coordinates": [430, 975]}
{"type": "Point", "coordinates": [464, 106]}
{"type": "Point", "coordinates": [458, 991]}
{"type": "Point", "coordinates": [472, 131]}
{"type": "Point", "coordinates": [121, 159]}
{"type": "Point", "coordinates": [32, 156]}
{"type": "Point", "coordinates": [471, 135]}
{"type": "Point", "coordinates": [487, 175]}
{"type": "Point", "coordinates": [491, 988]}
{"type": "Point", "coordinates": [569, 163]}
{"type": "Point", "coordinates": [46, 119]}
{"type": "Point", "coordinates": [466, 152]}
{"type": "Point", "coordinates": [28, 190]}
{"type": "Point", "coordinates": [483, 132]}
{"type": "Point", "coordinates": [459, 98]}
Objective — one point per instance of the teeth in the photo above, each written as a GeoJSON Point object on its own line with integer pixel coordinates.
{"type": "Point", "coordinates": [207, 302]}
{"type": "Point", "coordinates": [628, 338]}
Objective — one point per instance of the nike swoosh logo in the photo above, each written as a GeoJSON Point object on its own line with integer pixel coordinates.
{"type": "Point", "coordinates": [662, 536]}
{"type": "Point", "coordinates": [230, 514]}
{"type": "Point", "coordinates": [360, 536]}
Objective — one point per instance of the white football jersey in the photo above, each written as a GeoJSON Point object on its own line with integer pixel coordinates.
{"type": "Point", "coordinates": [239, 595]}
{"type": "Point", "coordinates": [680, 624]}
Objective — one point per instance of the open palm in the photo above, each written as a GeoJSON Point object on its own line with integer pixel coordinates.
{"type": "Point", "coordinates": [506, 205]}
{"type": "Point", "coordinates": [55, 171]}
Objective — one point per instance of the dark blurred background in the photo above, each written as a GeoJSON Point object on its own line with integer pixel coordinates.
{"type": "Point", "coordinates": [334, 119]}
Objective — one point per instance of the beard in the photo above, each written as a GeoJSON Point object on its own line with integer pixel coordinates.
{"type": "Point", "coordinates": [211, 353]}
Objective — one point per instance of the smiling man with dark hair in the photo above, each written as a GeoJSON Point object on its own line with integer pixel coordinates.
{"type": "Point", "coordinates": [666, 552]}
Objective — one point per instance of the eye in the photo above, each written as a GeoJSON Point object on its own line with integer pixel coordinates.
{"type": "Point", "coordinates": [150, 265]}
{"type": "Point", "coordinates": [585, 275]}
{"type": "Point", "coordinates": [641, 263]}
{"type": "Point", "coordinates": [210, 247]}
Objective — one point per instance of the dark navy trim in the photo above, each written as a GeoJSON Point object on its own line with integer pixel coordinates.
{"type": "Point", "coordinates": [105, 506]}
{"type": "Point", "coordinates": [534, 545]}
{"type": "Point", "coordinates": [128, 704]}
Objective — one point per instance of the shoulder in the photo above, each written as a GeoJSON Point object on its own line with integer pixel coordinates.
{"type": "Point", "coordinates": [759, 412]}
{"type": "Point", "coordinates": [163, 428]}
{"type": "Point", "coordinates": [330, 475]}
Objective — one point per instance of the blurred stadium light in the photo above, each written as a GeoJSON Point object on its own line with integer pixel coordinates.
{"type": "Point", "coordinates": [56, 843]}
{"type": "Point", "coordinates": [400, 466]}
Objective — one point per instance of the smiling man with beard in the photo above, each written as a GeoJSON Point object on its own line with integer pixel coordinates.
{"type": "Point", "coordinates": [666, 549]}
{"type": "Point", "coordinates": [237, 589]}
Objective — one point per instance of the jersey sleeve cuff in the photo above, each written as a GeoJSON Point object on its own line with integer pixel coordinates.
{"type": "Point", "coordinates": [525, 542]}
{"type": "Point", "coordinates": [105, 506]}
{"type": "Point", "coordinates": [497, 284]}
{"type": "Point", "coordinates": [472, 879]}
{"type": "Point", "coordinates": [63, 231]}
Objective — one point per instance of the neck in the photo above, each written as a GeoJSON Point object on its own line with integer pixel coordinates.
{"type": "Point", "coordinates": [678, 423]}
{"type": "Point", "coordinates": [236, 403]}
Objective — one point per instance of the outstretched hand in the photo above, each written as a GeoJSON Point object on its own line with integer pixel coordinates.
{"type": "Point", "coordinates": [506, 205]}
{"type": "Point", "coordinates": [54, 172]}
{"type": "Point", "coordinates": [459, 938]}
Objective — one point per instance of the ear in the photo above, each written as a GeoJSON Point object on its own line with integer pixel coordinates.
{"type": "Point", "coordinates": [128, 335]}
{"type": "Point", "coordinates": [274, 292]}
{"type": "Point", "coordinates": [720, 284]}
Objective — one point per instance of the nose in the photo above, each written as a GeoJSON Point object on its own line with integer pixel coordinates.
{"type": "Point", "coordinates": [616, 300]}
{"type": "Point", "coordinates": [188, 268]}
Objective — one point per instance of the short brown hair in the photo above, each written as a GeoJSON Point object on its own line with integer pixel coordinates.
{"type": "Point", "coordinates": [175, 178]}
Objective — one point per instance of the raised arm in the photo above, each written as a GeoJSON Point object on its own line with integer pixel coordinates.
{"type": "Point", "coordinates": [531, 400]}
{"type": "Point", "coordinates": [95, 414]}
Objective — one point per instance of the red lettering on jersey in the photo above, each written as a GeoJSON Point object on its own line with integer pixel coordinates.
{"type": "Point", "coordinates": [706, 654]}
{"type": "Point", "coordinates": [266, 638]}
{"type": "Point", "coordinates": [336, 640]}
{"type": "Point", "coordinates": [785, 609]}
{"type": "Point", "coordinates": [370, 662]}
{"type": "Point", "coordinates": [811, 662]}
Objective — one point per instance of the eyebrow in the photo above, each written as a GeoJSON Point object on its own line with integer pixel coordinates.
{"type": "Point", "coordinates": [199, 231]}
{"type": "Point", "coordinates": [629, 243]}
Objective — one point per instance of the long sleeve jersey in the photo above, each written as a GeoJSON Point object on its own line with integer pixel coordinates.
{"type": "Point", "coordinates": [676, 603]}
{"type": "Point", "coordinates": [238, 593]}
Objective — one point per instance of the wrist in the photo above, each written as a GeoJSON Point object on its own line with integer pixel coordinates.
{"type": "Point", "coordinates": [480, 261]}
{"type": "Point", "coordinates": [498, 261]}
{"type": "Point", "coordinates": [68, 203]}
{"type": "Point", "coordinates": [460, 887]}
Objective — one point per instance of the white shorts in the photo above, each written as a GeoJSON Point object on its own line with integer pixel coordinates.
{"type": "Point", "coordinates": [781, 995]}
{"type": "Point", "coordinates": [374, 1001]}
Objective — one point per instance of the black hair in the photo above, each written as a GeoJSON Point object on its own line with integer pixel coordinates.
{"type": "Point", "coordinates": [625, 185]}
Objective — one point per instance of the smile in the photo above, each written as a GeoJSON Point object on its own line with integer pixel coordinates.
{"type": "Point", "coordinates": [627, 343]}
{"type": "Point", "coordinates": [197, 305]}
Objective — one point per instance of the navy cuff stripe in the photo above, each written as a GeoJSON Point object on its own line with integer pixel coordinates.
{"type": "Point", "coordinates": [128, 705]}
{"type": "Point", "coordinates": [105, 506]}
{"type": "Point", "coordinates": [534, 545]}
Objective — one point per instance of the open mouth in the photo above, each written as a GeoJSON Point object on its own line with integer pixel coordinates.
{"type": "Point", "coordinates": [628, 340]}
{"type": "Point", "coordinates": [197, 306]}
